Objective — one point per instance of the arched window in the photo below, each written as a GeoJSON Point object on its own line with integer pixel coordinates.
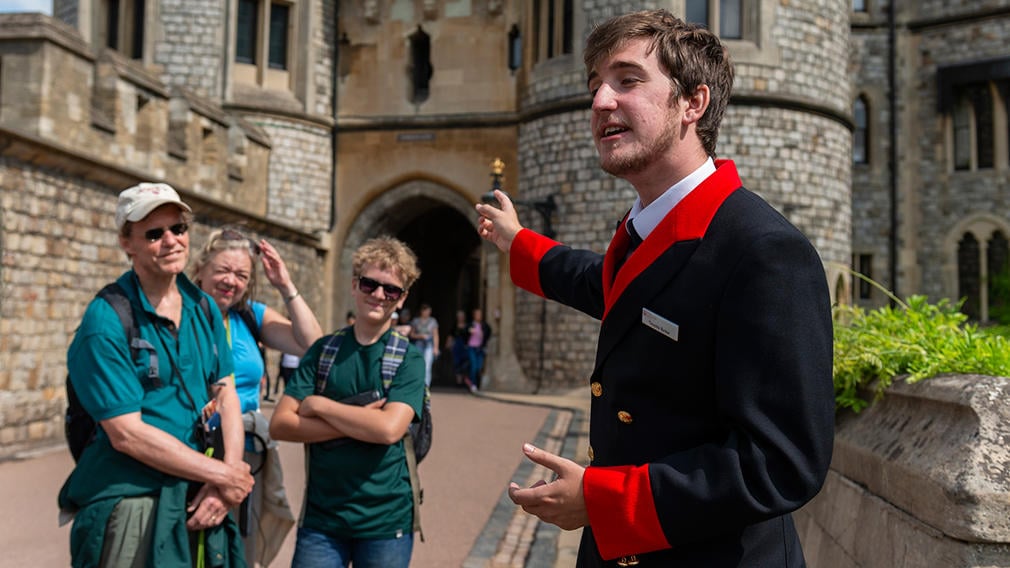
{"type": "Point", "coordinates": [861, 134]}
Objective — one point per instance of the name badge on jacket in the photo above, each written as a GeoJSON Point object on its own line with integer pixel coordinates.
{"type": "Point", "coordinates": [660, 324]}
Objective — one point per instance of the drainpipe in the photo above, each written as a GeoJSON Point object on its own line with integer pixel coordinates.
{"type": "Point", "coordinates": [893, 152]}
{"type": "Point", "coordinates": [334, 80]}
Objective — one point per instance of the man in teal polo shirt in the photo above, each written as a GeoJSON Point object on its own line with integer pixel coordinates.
{"type": "Point", "coordinates": [128, 491]}
{"type": "Point", "coordinates": [358, 504]}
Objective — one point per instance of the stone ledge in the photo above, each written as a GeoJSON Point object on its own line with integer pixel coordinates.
{"type": "Point", "coordinates": [938, 449]}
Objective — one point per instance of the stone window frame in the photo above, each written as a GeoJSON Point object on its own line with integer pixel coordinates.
{"type": "Point", "coordinates": [862, 129]}
{"type": "Point", "coordinates": [547, 42]}
{"type": "Point", "coordinates": [756, 20]}
{"type": "Point", "coordinates": [982, 226]}
{"type": "Point", "coordinates": [973, 102]}
{"type": "Point", "coordinates": [260, 73]}
{"type": "Point", "coordinates": [129, 38]}
{"type": "Point", "coordinates": [715, 12]}
{"type": "Point", "coordinates": [862, 263]}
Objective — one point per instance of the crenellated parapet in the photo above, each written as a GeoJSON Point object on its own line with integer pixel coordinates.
{"type": "Point", "coordinates": [56, 87]}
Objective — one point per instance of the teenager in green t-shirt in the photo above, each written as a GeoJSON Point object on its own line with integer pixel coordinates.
{"type": "Point", "coordinates": [358, 502]}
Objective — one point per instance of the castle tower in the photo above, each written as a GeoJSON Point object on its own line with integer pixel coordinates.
{"type": "Point", "coordinates": [787, 127]}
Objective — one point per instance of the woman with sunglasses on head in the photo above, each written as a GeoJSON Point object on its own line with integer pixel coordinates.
{"type": "Point", "coordinates": [359, 507]}
{"type": "Point", "coordinates": [226, 270]}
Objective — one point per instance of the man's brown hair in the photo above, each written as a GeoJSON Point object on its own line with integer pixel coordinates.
{"type": "Point", "coordinates": [690, 54]}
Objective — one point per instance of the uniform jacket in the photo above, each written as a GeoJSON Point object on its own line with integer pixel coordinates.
{"type": "Point", "coordinates": [712, 400]}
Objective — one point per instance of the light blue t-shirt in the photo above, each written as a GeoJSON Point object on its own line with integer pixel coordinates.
{"type": "Point", "coordinates": [249, 366]}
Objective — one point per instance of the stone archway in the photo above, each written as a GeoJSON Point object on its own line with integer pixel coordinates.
{"type": "Point", "coordinates": [440, 226]}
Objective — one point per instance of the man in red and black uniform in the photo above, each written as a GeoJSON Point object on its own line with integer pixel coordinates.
{"type": "Point", "coordinates": [712, 402]}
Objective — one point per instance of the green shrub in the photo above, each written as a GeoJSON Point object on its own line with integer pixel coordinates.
{"type": "Point", "coordinates": [917, 339]}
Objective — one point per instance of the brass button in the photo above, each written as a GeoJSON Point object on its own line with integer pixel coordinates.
{"type": "Point", "coordinates": [590, 452]}
{"type": "Point", "coordinates": [628, 561]}
{"type": "Point", "coordinates": [597, 389]}
{"type": "Point", "coordinates": [624, 416]}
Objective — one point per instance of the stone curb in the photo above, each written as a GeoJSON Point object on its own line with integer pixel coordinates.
{"type": "Point", "coordinates": [512, 538]}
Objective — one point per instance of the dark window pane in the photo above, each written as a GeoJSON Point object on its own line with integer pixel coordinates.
{"type": "Point", "coordinates": [138, 30]}
{"type": "Point", "coordinates": [981, 101]}
{"type": "Point", "coordinates": [696, 11]}
{"type": "Point", "coordinates": [968, 274]}
{"type": "Point", "coordinates": [998, 259]}
{"type": "Point", "coordinates": [962, 134]}
{"type": "Point", "coordinates": [112, 25]}
{"type": "Point", "coordinates": [568, 26]}
{"type": "Point", "coordinates": [866, 269]}
{"type": "Point", "coordinates": [730, 19]}
{"type": "Point", "coordinates": [860, 138]}
{"type": "Point", "coordinates": [245, 35]}
{"type": "Point", "coordinates": [858, 5]}
{"type": "Point", "coordinates": [279, 14]}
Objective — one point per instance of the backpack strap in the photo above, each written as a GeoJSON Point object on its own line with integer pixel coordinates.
{"type": "Point", "coordinates": [249, 319]}
{"type": "Point", "coordinates": [115, 296]}
{"type": "Point", "coordinates": [327, 357]}
{"type": "Point", "coordinates": [392, 357]}
{"type": "Point", "coordinates": [415, 482]}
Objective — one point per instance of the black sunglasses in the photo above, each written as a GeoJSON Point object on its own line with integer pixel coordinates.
{"type": "Point", "coordinates": [177, 229]}
{"type": "Point", "coordinates": [367, 285]}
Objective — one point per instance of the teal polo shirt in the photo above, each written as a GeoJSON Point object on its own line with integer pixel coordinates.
{"type": "Point", "coordinates": [359, 489]}
{"type": "Point", "coordinates": [110, 383]}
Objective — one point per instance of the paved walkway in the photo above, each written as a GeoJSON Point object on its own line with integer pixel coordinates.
{"type": "Point", "coordinates": [467, 517]}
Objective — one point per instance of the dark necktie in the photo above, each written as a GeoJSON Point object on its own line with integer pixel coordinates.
{"type": "Point", "coordinates": [636, 240]}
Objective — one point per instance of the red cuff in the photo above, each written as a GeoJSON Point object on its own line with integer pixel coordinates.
{"type": "Point", "coordinates": [528, 248]}
{"type": "Point", "coordinates": [622, 513]}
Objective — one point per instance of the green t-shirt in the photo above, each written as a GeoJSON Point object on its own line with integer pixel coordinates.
{"type": "Point", "coordinates": [110, 383]}
{"type": "Point", "coordinates": [359, 489]}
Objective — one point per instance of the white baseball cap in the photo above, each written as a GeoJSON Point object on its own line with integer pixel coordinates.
{"type": "Point", "coordinates": [138, 201]}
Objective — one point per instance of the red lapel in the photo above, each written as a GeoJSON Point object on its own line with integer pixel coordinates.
{"type": "Point", "coordinates": [687, 221]}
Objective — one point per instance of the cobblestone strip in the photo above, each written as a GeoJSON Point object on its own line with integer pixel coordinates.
{"type": "Point", "coordinates": [515, 547]}
{"type": "Point", "coordinates": [509, 534]}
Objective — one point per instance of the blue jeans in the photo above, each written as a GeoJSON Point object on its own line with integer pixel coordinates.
{"type": "Point", "coordinates": [314, 549]}
{"type": "Point", "coordinates": [476, 364]}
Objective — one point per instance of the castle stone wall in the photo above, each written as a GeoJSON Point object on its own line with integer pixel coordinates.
{"type": "Point", "coordinates": [188, 46]}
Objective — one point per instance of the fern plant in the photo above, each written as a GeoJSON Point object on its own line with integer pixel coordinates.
{"type": "Point", "coordinates": [915, 338]}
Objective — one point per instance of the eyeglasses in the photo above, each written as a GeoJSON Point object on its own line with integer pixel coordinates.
{"type": "Point", "coordinates": [367, 285]}
{"type": "Point", "coordinates": [178, 229]}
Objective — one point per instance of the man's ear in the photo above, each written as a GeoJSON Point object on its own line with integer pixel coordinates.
{"type": "Point", "coordinates": [403, 299]}
{"type": "Point", "coordinates": [696, 104]}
